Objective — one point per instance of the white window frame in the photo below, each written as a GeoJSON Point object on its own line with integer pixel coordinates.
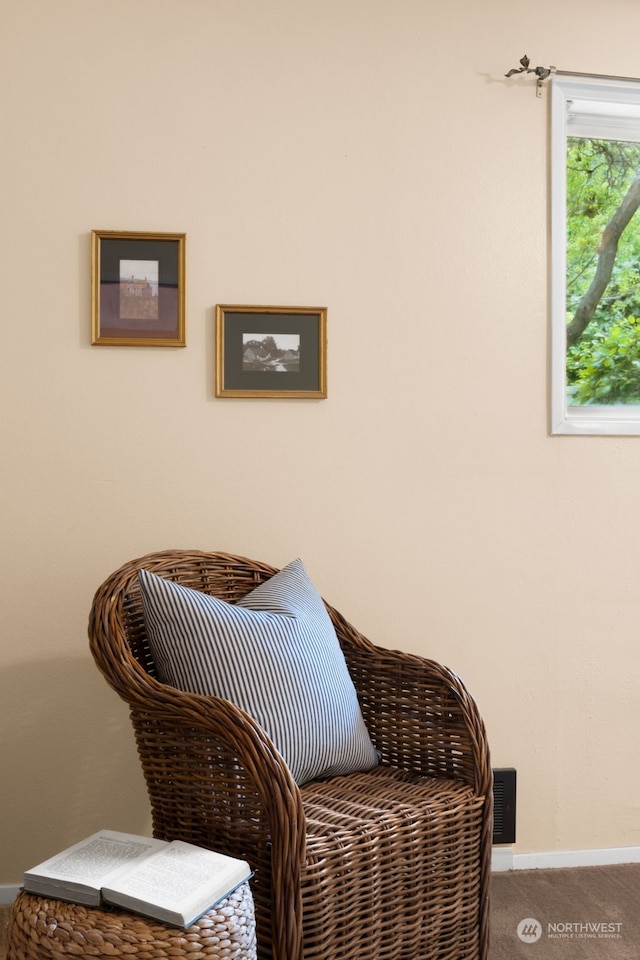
{"type": "Point", "coordinates": [584, 108]}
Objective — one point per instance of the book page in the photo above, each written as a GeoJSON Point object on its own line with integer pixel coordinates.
{"type": "Point", "coordinates": [98, 858]}
{"type": "Point", "coordinates": [179, 875]}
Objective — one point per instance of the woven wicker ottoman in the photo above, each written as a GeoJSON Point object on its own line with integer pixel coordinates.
{"type": "Point", "coordinates": [43, 929]}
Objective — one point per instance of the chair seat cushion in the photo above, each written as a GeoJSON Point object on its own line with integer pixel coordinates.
{"type": "Point", "coordinates": [274, 654]}
{"type": "Point", "coordinates": [399, 852]}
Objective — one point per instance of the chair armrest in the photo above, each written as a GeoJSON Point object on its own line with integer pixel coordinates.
{"type": "Point", "coordinates": [419, 713]}
{"type": "Point", "coordinates": [215, 779]}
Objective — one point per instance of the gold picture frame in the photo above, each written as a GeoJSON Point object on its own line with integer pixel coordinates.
{"type": "Point", "coordinates": [271, 352]}
{"type": "Point", "coordinates": [138, 289]}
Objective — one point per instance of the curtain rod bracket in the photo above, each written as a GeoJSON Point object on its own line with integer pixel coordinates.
{"type": "Point", "coordinates": [551, 72]}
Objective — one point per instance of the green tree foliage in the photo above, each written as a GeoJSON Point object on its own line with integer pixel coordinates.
{"type": "Point", "coordinates": [603, 360]}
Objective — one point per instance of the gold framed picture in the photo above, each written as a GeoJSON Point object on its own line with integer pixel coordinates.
{"type": "Point", "coordinates": [138, 289]}
{"type": "Point", "coordinates": [271, 352]}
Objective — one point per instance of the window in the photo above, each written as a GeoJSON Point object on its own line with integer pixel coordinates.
{"type": "Point", "coordinates": [595, 286]}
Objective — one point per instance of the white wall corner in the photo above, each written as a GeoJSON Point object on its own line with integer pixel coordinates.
{"type": "Point", "coordinates": [8, 893]}
{"type": "Point", "coordinates": [501, 858]}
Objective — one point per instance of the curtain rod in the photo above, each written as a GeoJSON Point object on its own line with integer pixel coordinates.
{"type": "Point", "coordinates": [543, 72]}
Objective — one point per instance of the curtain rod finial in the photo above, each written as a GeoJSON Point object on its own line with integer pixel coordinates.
{"type": "Point", "coordinates": [541, 72]}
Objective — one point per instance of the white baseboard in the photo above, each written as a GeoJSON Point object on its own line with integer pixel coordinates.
{"type": "Point", "coordinates": [8, 894]}
{"type": "Point", "coordinates": [503, 858]}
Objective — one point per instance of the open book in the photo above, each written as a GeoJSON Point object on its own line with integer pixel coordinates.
{"type": "Point", "coordinates": [175, 882]}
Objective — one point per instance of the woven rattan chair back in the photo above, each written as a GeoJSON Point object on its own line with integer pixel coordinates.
{"type": "Point", "coordinates": [393, 864]}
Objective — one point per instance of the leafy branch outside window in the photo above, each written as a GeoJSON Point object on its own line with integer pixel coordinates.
{"type": "Point", "coordinates": [603, 271]}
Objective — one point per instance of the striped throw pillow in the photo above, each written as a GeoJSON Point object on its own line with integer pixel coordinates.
{"type": "Point", "coordinates": [276, 655]}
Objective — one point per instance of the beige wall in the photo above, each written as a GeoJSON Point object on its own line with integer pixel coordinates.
{"type": "Point", "coordinates": [366, 155]}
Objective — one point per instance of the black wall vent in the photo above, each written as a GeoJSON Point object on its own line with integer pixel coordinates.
{"type": "Point", "coordinates": [504, 805]}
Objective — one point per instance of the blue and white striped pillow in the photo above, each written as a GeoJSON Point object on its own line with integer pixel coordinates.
{"type": "Point", "coordinates": [276, 655]}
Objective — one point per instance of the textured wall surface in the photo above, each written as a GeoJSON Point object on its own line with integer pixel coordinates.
{"type": "Point", "coordinates": [364, 155]}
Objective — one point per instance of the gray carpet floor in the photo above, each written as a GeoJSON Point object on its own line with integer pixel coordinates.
{"type": "Point", "coordinates": [586, 913]}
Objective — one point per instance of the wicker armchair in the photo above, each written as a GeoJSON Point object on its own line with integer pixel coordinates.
{"type": "Point", "coordinates": [393, 863]}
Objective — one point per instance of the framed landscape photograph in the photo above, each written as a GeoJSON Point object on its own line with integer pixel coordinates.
{"type": "Point", "coordinates": [138, 289]}
{"type": "Point", "coordinates": [271, 352]}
